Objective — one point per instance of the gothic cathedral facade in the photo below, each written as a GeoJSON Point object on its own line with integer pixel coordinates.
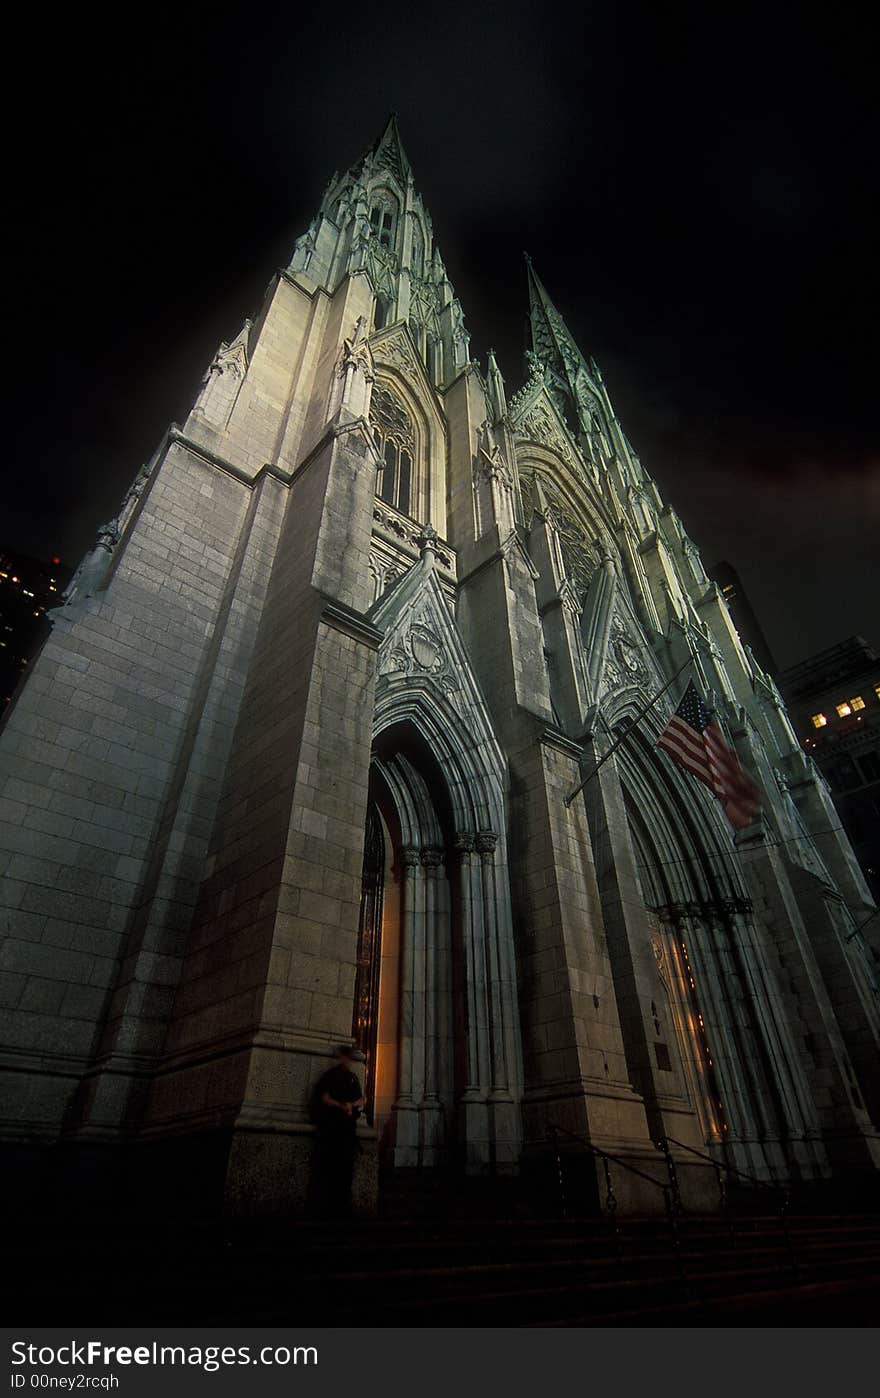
{"type": "Point", "coordinates": [294, 766]}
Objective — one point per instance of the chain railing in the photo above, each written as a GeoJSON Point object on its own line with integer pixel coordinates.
{"type": "Point", "coordinates": [779, 1189]}
{"type": "Point", "coordinates": [671, 1197]}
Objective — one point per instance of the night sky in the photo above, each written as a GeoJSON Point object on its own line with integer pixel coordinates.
{"type": "Point", "coordinates": [696, 184]}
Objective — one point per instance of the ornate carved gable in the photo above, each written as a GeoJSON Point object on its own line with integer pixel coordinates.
{"type": "Point", "coordinates": [581, 554]}
{"type": "Point", "coordinates": [628, 661]}
{"type": "Point", "coordinates": [395, 348]}
{"type": "Point", "coordinates": [534, 417]}
{"type": "Point", "coordinates": [422, 648]}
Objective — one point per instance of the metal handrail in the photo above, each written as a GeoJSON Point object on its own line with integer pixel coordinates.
{"type": "Point", "coordinates": [670, 1197]}
{"type": "Point", "coordinates": [552, 1131]}
{"type": "Point", "coordinates": [718, 1165]}
{"type": "Point", "coordinates": [725, 1165]}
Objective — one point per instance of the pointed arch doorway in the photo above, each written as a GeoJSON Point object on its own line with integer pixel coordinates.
{"type": "Point", "coordinates": [742, 1076]}
{"type": "Point", "coordinates": [434, 1007]}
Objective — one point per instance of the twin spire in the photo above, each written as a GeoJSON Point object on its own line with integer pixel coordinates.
{"type": "Point", "coordinates": [554, 350]}
{"type": "Point", "coordinates": [567, 372]}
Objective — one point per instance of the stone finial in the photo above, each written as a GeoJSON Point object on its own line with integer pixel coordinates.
{"type": "Point", "coordinates": [495, 387]}
{"type": "Point", "coordinates": [427, 542]}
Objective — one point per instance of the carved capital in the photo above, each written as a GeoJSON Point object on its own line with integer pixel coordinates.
{"type": "Point", "coordinates": [432, 858]}
{"type": "Point", "coordinates": [486, 840]}
{"type": "Point", "coordinates": [410, 858]}
{"type": "Point", "coordinates": [463, 843]}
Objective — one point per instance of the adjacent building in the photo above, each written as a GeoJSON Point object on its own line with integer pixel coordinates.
{"type": "Point", "coordinates": [834, 701]}
{"type": "Point", "coordinates": [29, 589]}
{"type": "Point", "coordinates": [743, 614]}
{"type": "Point", "coordinates": [296, 765]}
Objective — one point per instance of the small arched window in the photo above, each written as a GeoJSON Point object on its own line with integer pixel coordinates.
{"type": "Point", "coordinates": [395, 441]}
{"type": "Point", "coordinates": [418, 249]}
{"type": "Point", "coordinates": [432, 359]}
{"type": "Point", "coordinates": [383, 217]}
{"type": "Point", "coordinates": [380, 313]}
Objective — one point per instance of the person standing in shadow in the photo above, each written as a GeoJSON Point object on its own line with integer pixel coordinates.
{"type": "Point", "coordinates": [337, 1102]}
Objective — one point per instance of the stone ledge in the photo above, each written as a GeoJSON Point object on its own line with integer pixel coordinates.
{"type": "Point", "coordinates": [350, 623]}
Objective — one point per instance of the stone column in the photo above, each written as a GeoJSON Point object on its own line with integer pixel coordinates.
{"type": "Point", "coordinates": [486, 842]}
{"type": "Point", "coordinates": [505, 1113]}
{"type": "Point", "coordinates": [406, 1133]}
{"type": "Point", "coordinates": [473, 1105]}
{"type": "Point", "coordinates": [432, 1124]}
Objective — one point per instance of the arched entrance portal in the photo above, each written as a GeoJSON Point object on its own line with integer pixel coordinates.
{"type": "Point", "coordinates": [435, 1005]}
{"type": "Point", "coordinates": [743, 1078]}
{"type": "Point", "coordinates": [448, 1060]}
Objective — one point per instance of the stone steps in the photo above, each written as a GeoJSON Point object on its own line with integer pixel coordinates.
{"type": "Point", "coordinates": [464, 1272]}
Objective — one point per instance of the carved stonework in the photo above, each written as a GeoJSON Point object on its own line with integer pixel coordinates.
{"type": "Point", "coordinates": [395, 349]}
{"type": "Point", "coordinates": [540, 425]}
{"type": "Point", "coordinates": [420, 651]}
{"type": "Point", "coordinates": [463, 844]}
{"type": "Point", "coordinates": [660, 959]}
{"type": "Point", "coordinates": [625, 665]}
{"type": "Point", "coordinates": [490, 464]}
{"type": "Point", "coordinates": [383, 267]}
{"type": "Point", "coordinates": [223, 379]}
{"type": "Point", "coordinates": [580, 554]}
{"type": "Point", "coordinates": [403, 529]}
{"type": "Point", "coordinates": [485, 841]}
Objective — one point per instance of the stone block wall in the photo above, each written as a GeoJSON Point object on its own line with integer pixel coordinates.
{"type": "Point", "coordinates": [107, 763]}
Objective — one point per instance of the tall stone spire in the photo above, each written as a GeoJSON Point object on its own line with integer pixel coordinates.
{"type": "Point", "coordinates": [569, 377]}
{"type": "Point", "coordinates": [388, 151]}
{"type": "Point", "coordinates": [373, 223]}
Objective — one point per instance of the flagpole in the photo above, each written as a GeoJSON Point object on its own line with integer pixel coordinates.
{"type": "Point", "coordinates": [617, 742]}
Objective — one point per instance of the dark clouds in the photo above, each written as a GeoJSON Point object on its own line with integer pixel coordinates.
{"type": "Point", "coordinates": [696, 184]}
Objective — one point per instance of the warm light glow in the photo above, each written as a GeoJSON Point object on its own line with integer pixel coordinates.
{"type": "Point", "coordinates": [819, 720]}
{"type": "Point", "coordinates": [843, 710]}
{"type": "Point", "coordinates": [857, 703]}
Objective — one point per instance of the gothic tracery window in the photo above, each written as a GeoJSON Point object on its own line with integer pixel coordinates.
{"type": "Point", "coordinates": [394, 436]}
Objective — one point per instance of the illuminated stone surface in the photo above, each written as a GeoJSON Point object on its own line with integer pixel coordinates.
{"type": "Point", "coordinates": [259, 647]}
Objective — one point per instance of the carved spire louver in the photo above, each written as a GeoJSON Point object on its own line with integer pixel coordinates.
{"type": "Point", "coordinates": [573, 383]}
{"type": "Point", "coordinates": [388, 151]}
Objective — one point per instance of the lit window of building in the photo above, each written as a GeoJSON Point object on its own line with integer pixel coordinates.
{"type": "Point", "coordinates": [843, 710]}
{"type": "Point", "coordinates": [819, 720]}
{"type": "Point", "coordinates": [857, 703]}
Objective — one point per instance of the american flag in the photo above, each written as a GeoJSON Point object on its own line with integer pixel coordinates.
{"type": "Point", "coordinates": [694, 739]}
